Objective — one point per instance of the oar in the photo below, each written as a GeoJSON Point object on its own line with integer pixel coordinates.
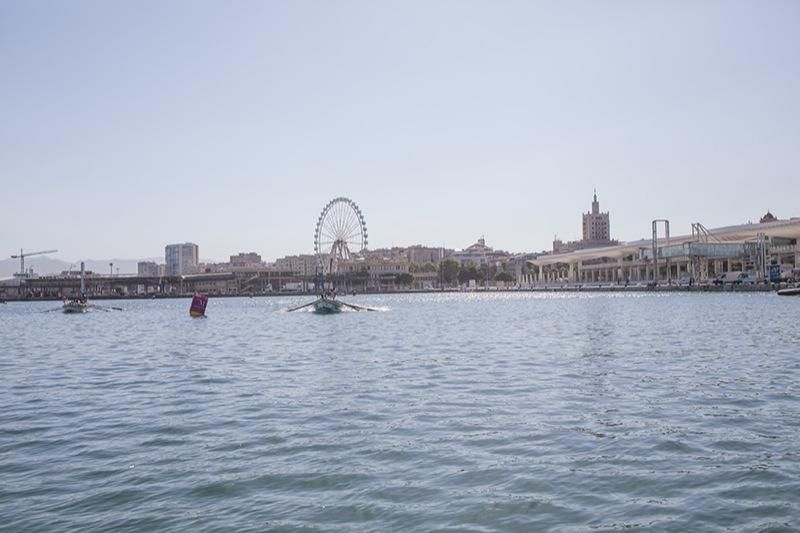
{"type": "Point", "coordinates": [357, 307]}
{"type": "Point", "coordinates": [302, 306]}
{"type": "Point", "coordinates": [104, 308]}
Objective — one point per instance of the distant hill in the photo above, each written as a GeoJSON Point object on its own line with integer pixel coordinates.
{"type": "Point", "coordinates": [50, 265]}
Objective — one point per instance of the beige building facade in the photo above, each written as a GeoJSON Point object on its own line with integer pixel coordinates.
{"type": "Point", "coordinates": [596, 225]}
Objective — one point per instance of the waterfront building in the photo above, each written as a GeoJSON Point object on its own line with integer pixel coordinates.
{"type": "Point", "coordinates": [596, 225]}
{"type": "Point", "coordinates": [701, 256]}
{"type": "Point", "coordinates": [298, 265]}
{"type": "Point", "coordinates": [376, 271]}
{"type": "Point", "coordinates": [561, 247]}
{"type": "Point", "coordinates": [380, 266]}
{"type": "Point", "coordinates": [244, 261]}
{"type": "Point", "coordinates": [395, 253]}
{"type": "Point", "coordinates": [148, 269]}
{"type": "Point", "coordinates": [425, 254]}
{"type": "Point", "coordinates": [213, 268]}
{"type": "Point", "coordinates": [768, 217]}
{"type": "Point", "coordinates": [426, 279]}
{"type": "Point", "coordinates": [479, 254]}
{"type": "Point", "coordinates": [412, 254]}
{"type": "Point", "coordinates": [181, 258]}
{"type": "Point", "coordinates": [12, 287]}
{"type": "Point", "coordinates": [596, 232]}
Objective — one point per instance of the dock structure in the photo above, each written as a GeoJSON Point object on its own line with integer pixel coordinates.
{"type": "Point", "coordinates": [700, 256]}
{"type": "Point", "coordinates": [218, 283]}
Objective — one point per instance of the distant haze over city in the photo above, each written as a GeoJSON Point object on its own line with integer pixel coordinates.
{"type": "Point", "coordinates": [127, 127]}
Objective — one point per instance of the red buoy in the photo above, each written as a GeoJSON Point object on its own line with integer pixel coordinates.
{"type": "Point", "coordinates": [198, 307]}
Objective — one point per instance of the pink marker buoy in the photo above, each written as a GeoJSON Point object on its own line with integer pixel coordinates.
{"type": "Point", "coordinates": [198, 307]}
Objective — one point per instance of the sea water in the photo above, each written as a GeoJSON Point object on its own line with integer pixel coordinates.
{"type": "Point", "coordinates": [449, 412]}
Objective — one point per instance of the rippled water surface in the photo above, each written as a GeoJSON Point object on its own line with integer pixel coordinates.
{"type": "Point", "coordinates": [461, 412]}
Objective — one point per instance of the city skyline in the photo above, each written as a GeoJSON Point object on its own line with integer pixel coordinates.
{"type": "Point", "coordinates": [587, 240]}
{"type": "Point", "coordinates": [444, 121]}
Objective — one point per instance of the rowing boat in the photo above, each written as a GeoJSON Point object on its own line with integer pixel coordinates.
{"type": "Point", "coordinates": [76, 305]}
{"type": "Point", "coordinates": [326, 306]}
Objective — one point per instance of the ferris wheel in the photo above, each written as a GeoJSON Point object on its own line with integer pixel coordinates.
{"type": "Point", "coordinates": [341, 232]}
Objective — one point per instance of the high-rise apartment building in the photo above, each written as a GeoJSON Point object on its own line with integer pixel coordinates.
{"type": "Point", "coordinates": [181, 258]}
{"type": "Point", "coordinates": [147, 269]}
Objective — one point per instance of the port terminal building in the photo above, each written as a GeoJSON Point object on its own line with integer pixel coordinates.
{"type": "Point", "coordinates": [761, 249]}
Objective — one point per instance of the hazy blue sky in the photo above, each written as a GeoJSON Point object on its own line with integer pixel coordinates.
{"type": "Point", "coordinates": [128, 125]}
